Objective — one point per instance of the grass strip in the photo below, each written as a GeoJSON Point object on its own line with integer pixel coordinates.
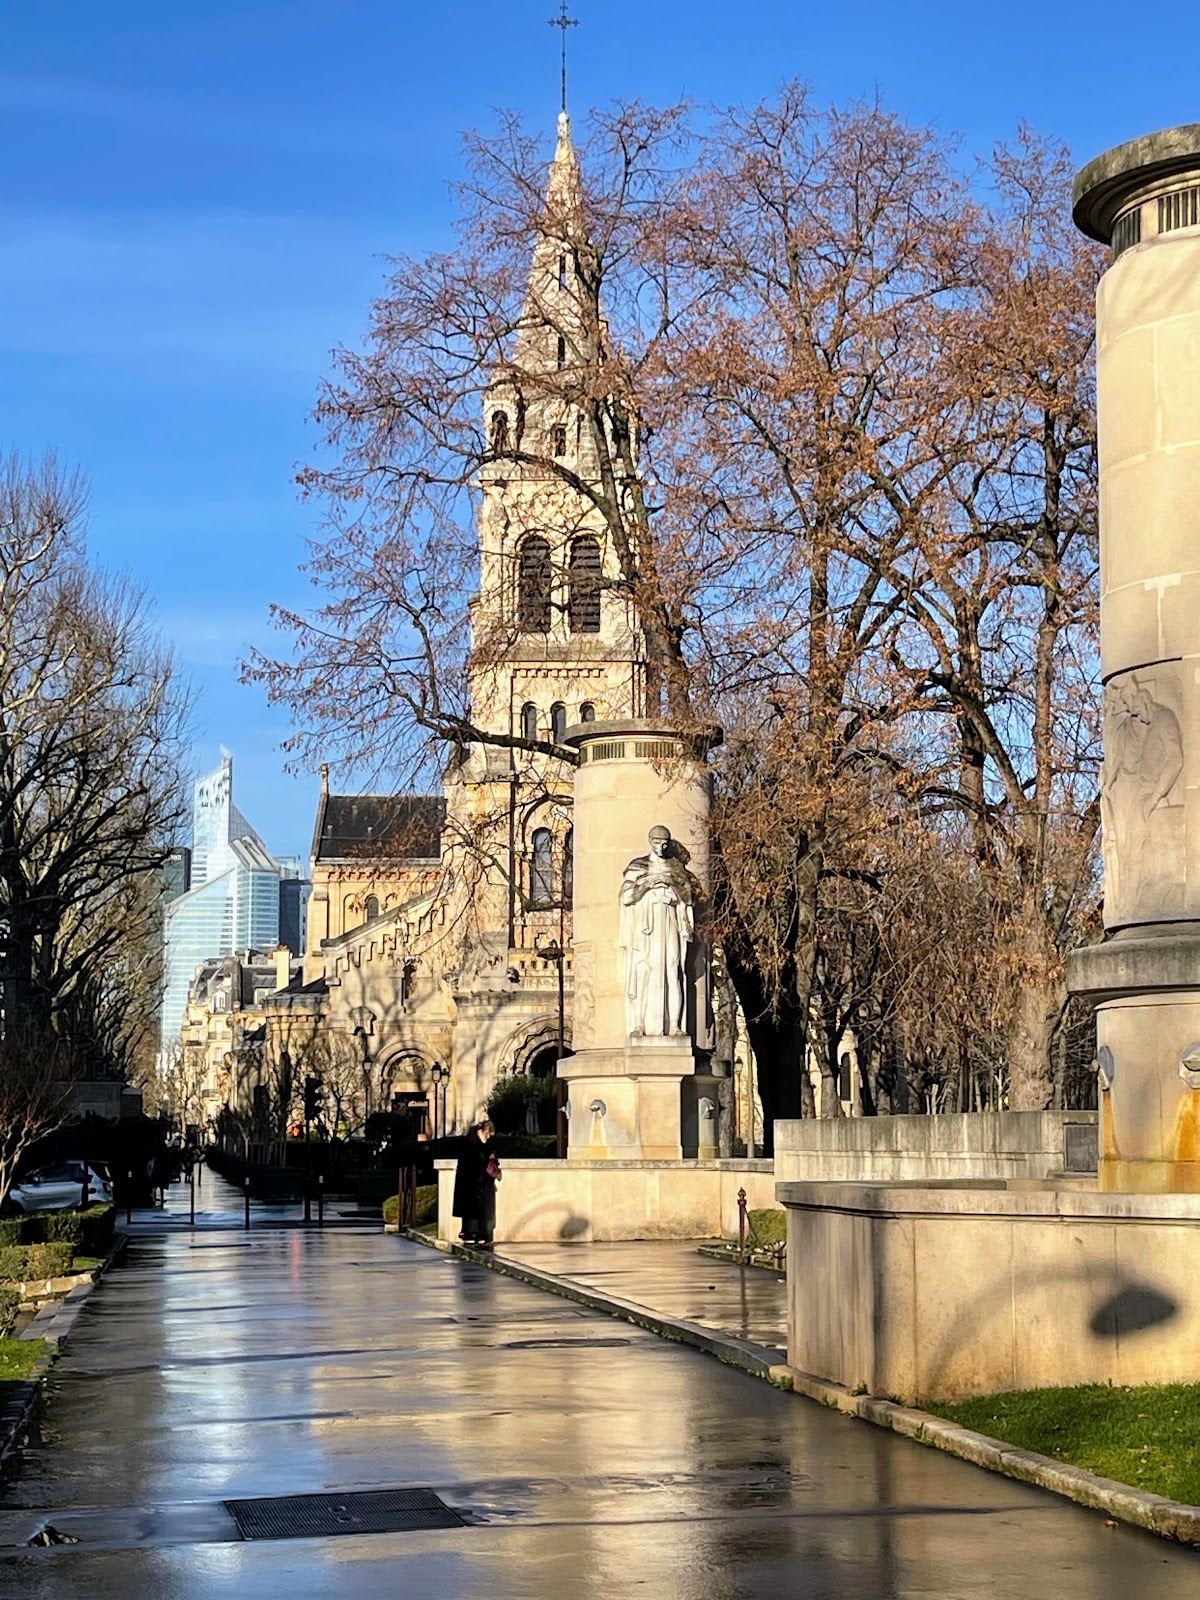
{"type": "Point", "coordinates": [17, 1357]}
{"type": "Point", "coordinates": [1148, 1436]}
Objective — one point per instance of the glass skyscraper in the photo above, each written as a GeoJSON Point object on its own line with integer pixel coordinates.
{"type": "Point", "coordinates": [241, 897]}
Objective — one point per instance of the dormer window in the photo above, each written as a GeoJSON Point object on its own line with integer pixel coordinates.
{"type": "Point", "coordinates": [558, 439]}
{"type": "Point", "coordinates": [220, 1001]}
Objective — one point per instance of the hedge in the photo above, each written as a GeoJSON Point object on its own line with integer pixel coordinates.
{"type": "Point", "coordinates": [10, 1304]}
{"type": "Point", "coordinates": [427, 1199]}
{"type": "Point", "coordinates": [89, 1233]}
{"type": "Point", "coordinates": [26, 1263]}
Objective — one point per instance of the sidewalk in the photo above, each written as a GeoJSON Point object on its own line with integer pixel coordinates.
{"type": "Point", "coordinates": [587, 1459]}
{"type": "Point", "coordinates": [674, 1280]}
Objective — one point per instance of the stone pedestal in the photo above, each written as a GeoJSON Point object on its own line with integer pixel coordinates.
{"type": "Point", "coordinates": [1139, 199]}
{"type": "Point", "coordinates": [633, 1097]}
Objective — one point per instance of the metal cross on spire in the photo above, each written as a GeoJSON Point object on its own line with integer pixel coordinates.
{"type": "Point", "coordinates": [562, 21]}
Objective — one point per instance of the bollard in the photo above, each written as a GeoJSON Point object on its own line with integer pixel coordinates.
{"type": "Point", "coordinates": [247, 1205]}
{"type": "Point", "coordinates": [129, 1201]}
{"type": "Point", "coordinates": [320, 1200]}
{"type": "Point", "coordinates": [742, 1225]}
{"type": "Point", "coordinates": [192, 1186]}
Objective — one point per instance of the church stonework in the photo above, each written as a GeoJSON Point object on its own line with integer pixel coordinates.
{"type": "Point", "coordinates": [435, 940]}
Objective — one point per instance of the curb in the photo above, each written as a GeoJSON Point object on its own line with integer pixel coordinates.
{"type": "Point", "coordinates": [1169, 1519]}
{"type": "Point", "coordinates": [51, 1325]}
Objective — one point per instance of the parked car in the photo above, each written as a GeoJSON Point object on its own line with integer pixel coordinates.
{"type": "Point", "coordinates": [57, 1188]}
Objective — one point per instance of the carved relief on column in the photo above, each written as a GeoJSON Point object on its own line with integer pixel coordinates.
{"type": "Point", "coordinates": [584, 1004]}
{"type": "Point", "coordinates": [1142, 797]}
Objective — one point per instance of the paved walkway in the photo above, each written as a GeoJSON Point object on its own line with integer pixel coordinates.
{"type": "Point", "coordinates": [589, 1459]}
{"type": "Point", "coordinates": [675, 1280]}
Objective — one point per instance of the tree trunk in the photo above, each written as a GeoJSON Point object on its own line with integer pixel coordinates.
{"type": "Point", "coordinates": [1035, 1018]}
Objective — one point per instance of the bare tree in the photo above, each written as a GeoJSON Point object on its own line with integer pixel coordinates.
{"type": "Point", "coordinates": [36, 1076]}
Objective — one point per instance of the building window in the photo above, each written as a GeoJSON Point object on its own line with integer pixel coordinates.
{"type": "Point", "coordinates": [220, 1001]}
{"type": "Point", "coordinates": [499, 432]}
{"type": "Point", "coordinates": [533, 605]}
{"type": "Point", "coordinates": [562, 352]}
{"type": "Point", "coordinates": [541, 869]}
{"type": "Point", "coordinates": [370, 908]}
{"type": "Point", "coordinates": [583, 578]}
{"type": "Point", "coordinates": [558, 721]}
{"type": "Point", "coordinates": [529, 727]}
{"type": "Point", "coordinates": [562, 272]}
{"type": "Point", "coordinates": [568, 884]}
{"type": "Point", "coordinates": [558, 439]}
{"type": "Point", "coordinates": [587, 712]}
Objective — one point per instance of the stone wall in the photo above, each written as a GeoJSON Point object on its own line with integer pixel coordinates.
{"type": "Point", "coordinates": [933, 1294]}
{"type": "Point", "coordinates": [1005, 1145]}
{"type": "Point", "coordinates": [597, 1201]}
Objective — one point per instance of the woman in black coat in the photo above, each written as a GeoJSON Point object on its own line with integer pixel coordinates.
{"type": "Point", "coordinates": [475, 1187]}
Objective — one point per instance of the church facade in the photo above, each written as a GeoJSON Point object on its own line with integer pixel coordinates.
{"type": "Point", "coordinates": [438, 924]}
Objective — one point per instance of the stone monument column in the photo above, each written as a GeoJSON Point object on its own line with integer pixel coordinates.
{"type": "Point", "coordinates": [640, 1079]}
{"type": "Point", "coordinates": [1143, 200]}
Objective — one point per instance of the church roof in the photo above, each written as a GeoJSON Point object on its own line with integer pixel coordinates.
{"type": "Point", "coordinates": [367, 827]}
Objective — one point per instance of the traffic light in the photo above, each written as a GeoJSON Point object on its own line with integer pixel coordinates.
{"type": "Point", "coordinates": [312, 1098]}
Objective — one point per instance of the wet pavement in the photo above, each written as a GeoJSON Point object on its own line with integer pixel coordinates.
{"type": "Point", "coordinates": [675, 1280]}
{"type": "Point", "coordinates": [587, 1458]}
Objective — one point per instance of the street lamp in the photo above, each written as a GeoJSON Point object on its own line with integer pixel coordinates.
{"type": "Point", "coordinates": [440, 1077]}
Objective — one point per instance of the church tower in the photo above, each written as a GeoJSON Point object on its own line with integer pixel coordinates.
{"type": "Point", "coordinates": [553, 636]}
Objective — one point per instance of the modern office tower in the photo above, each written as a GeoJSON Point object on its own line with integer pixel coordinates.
{"type": "Point", "coordinates": [240, 897]}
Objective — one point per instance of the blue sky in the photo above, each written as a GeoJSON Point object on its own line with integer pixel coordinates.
{"type": "Point", "coordinates": [196, 200]}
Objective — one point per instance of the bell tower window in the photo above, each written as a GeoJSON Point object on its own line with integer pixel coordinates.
{"type": "Point", "coordinates": [587, 712]}
{"type": "Point", "coordinates": [499, 432]}
{"type": "Point", "coordinates": [529, 727]}
{"type": "Point", "coordinates": [561, 353]}
{"type": "Point", "coordinates": [562, 272]}
{"type": "Point", "coordinates": [558, 721]}
{"type": "Point", "coordinates": [583, 578]}
{"type": "Point", "coordinates": [558, 439]}
{"type": "Point", "coordinates": [534, 582]}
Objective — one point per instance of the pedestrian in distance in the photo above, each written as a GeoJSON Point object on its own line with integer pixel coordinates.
{"type": "Point", "coordinates": [475, 1182]}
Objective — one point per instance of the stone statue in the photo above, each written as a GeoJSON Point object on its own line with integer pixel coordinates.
{"type": "Point", "coordinates": [658, 924]}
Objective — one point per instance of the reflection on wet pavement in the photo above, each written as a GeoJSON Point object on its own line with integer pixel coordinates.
{"type": "Point", "coordinates": [588, 1459]}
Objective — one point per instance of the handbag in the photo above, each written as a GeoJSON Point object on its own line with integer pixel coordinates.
{"type": "Point", "coordinates": [493, 1168]}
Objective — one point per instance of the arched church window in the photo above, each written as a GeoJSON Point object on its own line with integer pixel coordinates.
{"type": "Point", "coordinates": [561, 355]}
{"type": "Point", "coordinates": [568, 884]}
{"type": "Point", "coordinates": [583, 579]}
{"type": "Point", "coordinates": [558, 721]}
{"type": "Point", "coordinates": [533, 605]}
{"type": "Point", "coordinates": [499, 432]}
{"type": "Point", "coordinates": [541, 868]}
{"type": "Point", "coordinates": [529, 727]}
{"type": "Point", "coordinates": [587, 712]}
{"type": "Point", "coordinates": [370, 908]}
{"type": "Point", "coordinates": [558, 439]}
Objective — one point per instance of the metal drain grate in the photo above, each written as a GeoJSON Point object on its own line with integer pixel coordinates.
{"type": "Point", "coordinates": [317, 1516]}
